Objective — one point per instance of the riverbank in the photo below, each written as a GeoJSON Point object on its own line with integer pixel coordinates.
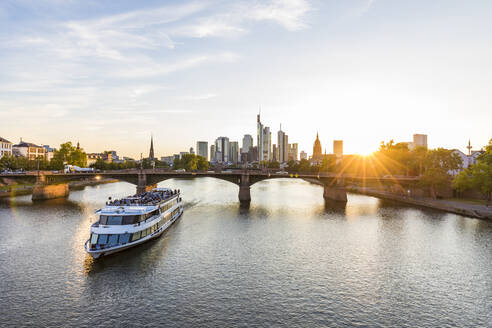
{"type": "Point", "coordinates": [21, 190]}
{"type": "Point", "coordinates": [456, 206]}
{"type": "Point", "coordinates": [449, 205]}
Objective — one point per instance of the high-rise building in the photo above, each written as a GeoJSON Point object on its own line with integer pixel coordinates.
{"type": "Point", "coordinates": [317, 152]}
{"type": "Point", "coordinates": [274, 153]}
{"type": "Point", "coordinates": [264, 141]}
{"type": "Point", "coordinates": [202, 149]}
{"type": "Point", "coordinates": [247, 143]}
{"type": "Point", "coordinates": [212, 153]}
{"type": "Point", "coordinates": [253, 154]}
{"type": "Point", "coordinates": [338, 148]}
{"type": "Point", "coordinates": [283, 146]}
{"type": "Point", "coordinates": [303, 155]}
{"type": "Point", "coordinates": [293, 151]}
{"type": "Point", "coordinates": [234, 152]}
{"type": "Point", "coordinates": [222, 150]}
{"type": "Point", "coordinates": [420, 140]}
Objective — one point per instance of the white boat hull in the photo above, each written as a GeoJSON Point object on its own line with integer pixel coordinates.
{"type": "Point", "coordinates": [104, 252]}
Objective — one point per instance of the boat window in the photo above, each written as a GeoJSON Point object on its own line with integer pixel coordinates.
{"type": "Point", "coordinates": [136, 236]}
{"type": "Point", "coordinates": [94, 238]}
{"type": "Point", "coordinates": [144, 233]}
{"type": "Point", "coordinates": [113, 240]}
{"type": "Point", "coordinates": [103, 219]}
{"type": "Point", "coordinates": [103, 239]}
{"type": "Point", "coordinates": [124, 238]}
{"type": "Point", "coordinates": [114, 220]}
{"type": "Point", "coordinates": [130, 219]}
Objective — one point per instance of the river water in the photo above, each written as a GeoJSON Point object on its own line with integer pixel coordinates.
{"type": "Point", "coordinates": [290, 260]}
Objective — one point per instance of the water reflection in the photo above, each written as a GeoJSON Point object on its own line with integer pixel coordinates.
{"type": "Point", "coordinates": [291, 259]}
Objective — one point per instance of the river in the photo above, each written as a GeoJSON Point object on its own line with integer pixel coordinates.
{"type": "Point", "coordinates": [289, 260]}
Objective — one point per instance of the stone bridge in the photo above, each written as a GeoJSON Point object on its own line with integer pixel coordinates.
{"type": "Point", "coordinates": [48, 184]}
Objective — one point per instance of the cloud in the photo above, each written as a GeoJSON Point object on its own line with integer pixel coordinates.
{"type": "Point", "coordinates": [156, 69]}
{"type": "Point", "coordinates": [287, 13]}
{"type": "Point", "coordinates": [205, 96]}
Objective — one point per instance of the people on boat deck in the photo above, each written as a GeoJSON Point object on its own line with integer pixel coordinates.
{"type": "Point", "coordinates": [143, 199]}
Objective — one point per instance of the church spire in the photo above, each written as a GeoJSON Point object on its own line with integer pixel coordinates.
{"type": "Point", "coordinates": [151, 153]}
{"type": "Point", "coordinates": [469, 147]}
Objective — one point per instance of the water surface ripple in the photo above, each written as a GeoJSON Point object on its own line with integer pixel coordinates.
{"type": "Point", "coordinates": [290, 260]}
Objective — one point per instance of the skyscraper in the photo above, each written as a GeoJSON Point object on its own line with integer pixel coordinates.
{"type": "Point", "coordinates": [274, 153]}
{"type": "Point", "coordinates": [338, 148]}
{"type": "Point", "coordinates": [420, 140]}
{"type": "Point", "coordinates": [234, 152]}
{"type": "Point", "coordinates": [222, 150]}
{"type": "Point", "coordinates": [247, 143]}
{"type": "Point", "coordinates": [212, 153]}
{"type": "Point", "coordinates": [264, 140]}
{"type": "Point", "coordinates": [151, 152]}
{"type": "Point", "coordinates": [283, 146]}
{"type": "Point", "coordinates": [293, 151]}
{"type": "Point", "coordinates": [202, 149]}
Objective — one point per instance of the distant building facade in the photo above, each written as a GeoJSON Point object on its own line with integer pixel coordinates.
{"type": "Point", "coordinates": [247, 143]}
{"type": "Point", "coordinates": [5, 147]}
{"type": "Point", "coordinates": [283, 146]}
{"type": "Point", "coordinates": [293, 152]}
{"type": "Point", "coordinates": [317, 151]}
{"type": "Point", "coordinates": [202, 149]}
{"type": "Point", "coordinates": [50, 152]}
{"type": "Point", "coordinates": [234, 152]}
{"type": "Point", "coordinates": [212, 153]}
{"type": "Point", "coordinates": [222, 150]}
{"type": "Point", "coordinates": [419, 140]}
{"type": "Point", "coordinates": [169, 160]}
{"type": "Point", "coordinates": [264, 141]}
{"type": "Point", "coordinates": [303, 155]}
{"type": "Point", "coordinates": [338, 148]}
{"type": "Point", "coordinates": [274, 153]}
{"type": "Point", "coordinates": [29, 150]}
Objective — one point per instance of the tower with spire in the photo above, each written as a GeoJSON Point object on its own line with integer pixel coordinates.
{"type": "Point", "coordinates": [317, 150]}
{"type": "Point", "coordinates": [151, 152]}
{"type": "Point", "coordinates": [469, 147]}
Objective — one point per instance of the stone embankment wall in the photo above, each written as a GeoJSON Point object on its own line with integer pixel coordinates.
{"type": "Point", "coordinates": [43, 192]}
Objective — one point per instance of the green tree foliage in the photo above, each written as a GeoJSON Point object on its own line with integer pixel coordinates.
{"type": "Point", "coordinates": [191, 162]}
{"type": "Point", "coordinates": [478, 176]}
{"type": "Point", "coordinates": [202, 164]}
{"type": "Point", "coordinates": [102, 165]}
{"type": "Point", "coordinates": [68, 154]}
{"type": "Point", "coordinates": [16, 163]}
{"type": "Point", "coordinates": [436, 165]}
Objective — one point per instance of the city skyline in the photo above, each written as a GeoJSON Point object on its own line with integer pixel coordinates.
{"type": "Point", "coordinates": [360, 71]}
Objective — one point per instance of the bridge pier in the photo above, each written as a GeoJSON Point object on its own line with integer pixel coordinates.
{"type": "Point", "coordinates": [244, 191]}
{"type": "Point", "coordinates": [335, 193]}
{"type": "Point", "coordinates": [43, 191]}
{"type": "Point", "coordinates": [244, 195]}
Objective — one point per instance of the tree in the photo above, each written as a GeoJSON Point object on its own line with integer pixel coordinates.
{"type": "Point", "coordinates": [68, 154]}
{"type": "Point", "coordinates": [189, 162]}
{"type": "Point", "coordinates": [478, 176]}
{"type": "Point", "coordinates": [437, 165]}
{"type": "Point", "coordinates": [202, 163]}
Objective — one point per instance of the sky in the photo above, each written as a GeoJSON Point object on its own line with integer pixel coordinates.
{"type": "Point", "coordinates": [111, 73]}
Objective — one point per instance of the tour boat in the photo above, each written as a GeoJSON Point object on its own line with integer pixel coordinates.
{"type": "Point", "coordinates": [127, 222]}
